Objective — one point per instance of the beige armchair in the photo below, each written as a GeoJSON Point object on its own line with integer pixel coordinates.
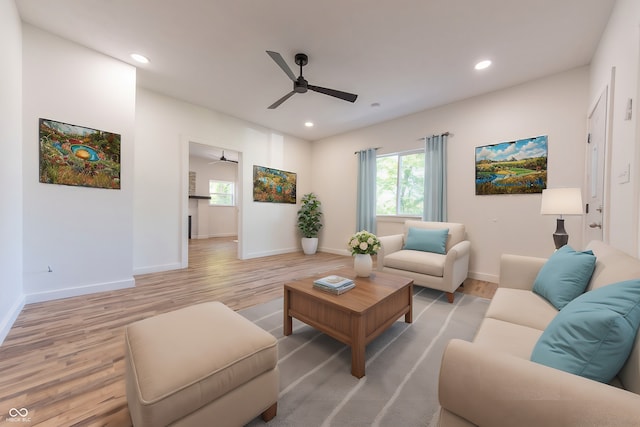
{"type": "Point", "coordinates": [443, 271]}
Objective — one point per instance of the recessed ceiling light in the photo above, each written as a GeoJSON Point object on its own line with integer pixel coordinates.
{"type": "Point", "coordinates": [140, 58]}
{"type": "Point", "coordinates": [483, 64]}
{"type": "Point", "coordinates": [308, 124]}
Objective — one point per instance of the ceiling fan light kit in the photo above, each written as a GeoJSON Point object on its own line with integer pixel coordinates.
{"type": "Point", "coordinates": [300, 84]}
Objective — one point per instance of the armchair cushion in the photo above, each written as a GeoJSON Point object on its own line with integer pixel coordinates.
{"type": "Point", "coordinates": [420, 239]}
{"type": "Point", "coordinates": [417, 261]}
{"type": "Point", "coordinates": [594, 334]}
{"type": "Point", "coordinates": [564, 276]}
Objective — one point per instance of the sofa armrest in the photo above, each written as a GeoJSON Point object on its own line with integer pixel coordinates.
{"type": "Point", "coordinates": [519, 272]}
{"type": "Point", "coordinates": [388, 245]}
{"type": "Point", "coordinates": [491, 388]}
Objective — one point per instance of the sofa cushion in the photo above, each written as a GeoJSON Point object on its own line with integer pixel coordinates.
{"type": "Point", "coordinates": [521, 307]}
{"type": "Point", "coordinates": [417, 261]}
{"type": "Point", "coordinates": [594, 334]}
{"type": "Point", "coordinates": [564, 276]}
{"type": "Point", "coordinates": [420, 239]}
{"type": "Point", "coordinates": [612, 265]}
{"type": "Point", "coordinates": [506, 337]}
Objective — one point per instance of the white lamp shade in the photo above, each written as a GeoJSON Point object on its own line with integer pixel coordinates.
{"type": "Point", "coordinates": [561, 201]}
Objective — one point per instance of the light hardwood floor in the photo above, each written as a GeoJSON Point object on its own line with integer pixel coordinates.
{"type": "Point", "coordinates": [63, 360]}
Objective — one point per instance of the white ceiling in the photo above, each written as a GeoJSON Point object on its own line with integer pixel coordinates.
{"type": "Point", "coordinates": [406, 55]}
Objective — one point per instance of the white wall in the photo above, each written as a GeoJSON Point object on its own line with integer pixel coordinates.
{"type": "Point", "coordinates": [84, 234]}
{"type": "Point", "coordinates": [11, 297]}
{"type": "Point", "coordinates": [619, 48]}
{"type": "Point", "coordinates": [164, 128]}
{"type": "Point", "coordinates": [212, 221]}
{"type": "Point", "coordinates": [555, 106]}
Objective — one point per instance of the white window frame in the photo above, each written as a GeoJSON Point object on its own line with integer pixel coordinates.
{"type": "Point", "coordinates": [399, 154]}
{"type": "Point", "coordinates": [213, 202]}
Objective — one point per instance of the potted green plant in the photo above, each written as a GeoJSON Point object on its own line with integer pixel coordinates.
{"type": "Point", "coordinates": [309, 222]}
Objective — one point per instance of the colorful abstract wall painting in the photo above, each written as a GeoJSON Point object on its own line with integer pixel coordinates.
{"type": "Point", "coordinates": [273, 185]}
{"type": "Point", "coordinates": [78, 156]}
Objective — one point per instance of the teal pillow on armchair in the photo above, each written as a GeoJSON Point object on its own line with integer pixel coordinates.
{"type": "Point", "coordinates": [564, 276]}
{"type": "Point", "coordinates": [427, 240]}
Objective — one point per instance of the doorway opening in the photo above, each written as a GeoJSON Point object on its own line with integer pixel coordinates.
{"type": "Point", "coordinates": [214, 189]}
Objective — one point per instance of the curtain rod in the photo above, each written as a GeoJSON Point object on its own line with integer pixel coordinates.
{"type": "Point", "coordinates": [375, 148]}
{"type": "Point", "coordinates": [443, 133]}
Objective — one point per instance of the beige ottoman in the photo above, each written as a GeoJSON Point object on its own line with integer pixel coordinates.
{"type": "Point", "coordinates": [198, 366]}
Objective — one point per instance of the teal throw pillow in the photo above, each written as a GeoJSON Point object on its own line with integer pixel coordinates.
{"type": "Point", "coordinates": [427, 240]}
{"type": "Point", "coordinates": [594, 334]}
{"type": "Point", "coordinates": [564, 276]}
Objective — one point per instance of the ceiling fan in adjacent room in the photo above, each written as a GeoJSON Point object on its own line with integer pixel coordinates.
{"type": "Point", "coordinates": [223, 159]}
{"type": "Point", "coordinates": [300, 85]}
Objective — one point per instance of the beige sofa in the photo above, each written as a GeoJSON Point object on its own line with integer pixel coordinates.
{"type": "Point", "coordinates": [492, 382]}
{"type": "Point", "coordinates": [444, 272]}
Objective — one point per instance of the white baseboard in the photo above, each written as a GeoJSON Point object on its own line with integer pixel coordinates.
{"type": "Point", "coordinates": [270, 253]}
{"type": "Point", "coordinates": [157, 268]}
{"type": "Point", "coordinates": [209, 236]}
{"type": "Point", "coordinates": [7, 321]}
{"type": "Point", "coordinates": [344, 252]}
{"type": "Point", "coordinates": [82, 290]}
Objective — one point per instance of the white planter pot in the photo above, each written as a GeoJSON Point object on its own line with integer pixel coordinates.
{"type": "Point", "coordinates": [309, 245]}
{"type": "Point", "coordinates": [363, 265]}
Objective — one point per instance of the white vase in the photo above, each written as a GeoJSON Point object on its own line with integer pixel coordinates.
{"type": "Point", "coordinates": [363, 265]}
{"type": "Point", "coordinates": [309, 245]}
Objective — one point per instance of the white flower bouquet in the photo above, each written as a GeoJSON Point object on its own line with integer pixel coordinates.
{"type": "Point", "coordinates": [364, 242]}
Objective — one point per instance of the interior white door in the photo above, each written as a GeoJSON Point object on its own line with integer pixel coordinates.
{"type": "Point", "coordinates": [594, 188]}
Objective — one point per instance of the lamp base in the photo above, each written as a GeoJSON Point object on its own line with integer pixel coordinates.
{"type": "Point", "coordinates": [560, 237]}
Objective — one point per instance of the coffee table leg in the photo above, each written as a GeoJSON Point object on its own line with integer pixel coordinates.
{"type": "Point", "coordinates": [408, 318]}
{"type": "Point", "coordinates": [357, 347]}
{"type": "Point", "coordinates": [287, 322]}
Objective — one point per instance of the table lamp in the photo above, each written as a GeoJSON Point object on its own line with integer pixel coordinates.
{"type": "Point", "coordinates": [561, 201]}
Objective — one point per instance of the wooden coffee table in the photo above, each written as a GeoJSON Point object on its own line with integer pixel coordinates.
{"type": "Point", "coordinates": [355, 317]}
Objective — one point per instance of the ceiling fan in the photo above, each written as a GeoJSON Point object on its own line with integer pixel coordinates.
{"type": "Point", "coordinates": [300, 85]}
{"type": "Point", "coordinates": [223, 159]}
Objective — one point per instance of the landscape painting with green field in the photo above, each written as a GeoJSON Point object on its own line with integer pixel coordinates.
{"type": "Point", "coordinates": [515, 167]}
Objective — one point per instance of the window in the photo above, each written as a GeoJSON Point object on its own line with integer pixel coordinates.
{"type": "Point", "coordinates": [400, 183]}
{"type": "Point", "coordinates": [221, 192]}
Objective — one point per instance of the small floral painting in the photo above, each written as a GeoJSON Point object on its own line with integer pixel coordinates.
{"type": "Point", "coordinates": [79, 156]}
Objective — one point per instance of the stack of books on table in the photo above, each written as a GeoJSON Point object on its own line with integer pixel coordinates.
{"type": "Point", "coordinates": [334, 284]}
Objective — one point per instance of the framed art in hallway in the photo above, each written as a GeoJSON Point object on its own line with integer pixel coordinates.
{"type": "Point", "coordinates": [514, 167]}
{"type": "Point", "coordinates": [78, 155]}
{"type": "Point", "coordinates": [273, 185]}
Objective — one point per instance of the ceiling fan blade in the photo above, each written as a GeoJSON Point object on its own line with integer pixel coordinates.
{"type": "Point", "coordinates": [280, 61]}
{"type": "Point", "coordinates": [281, 100]}
{"type": "Point", "coordinates": [332, 92]}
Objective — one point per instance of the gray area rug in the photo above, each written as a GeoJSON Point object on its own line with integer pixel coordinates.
{"type": "Point", "coordinates": [402, 366]}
